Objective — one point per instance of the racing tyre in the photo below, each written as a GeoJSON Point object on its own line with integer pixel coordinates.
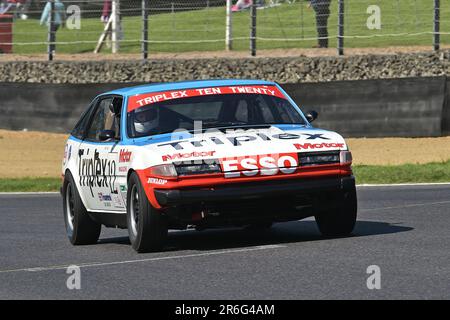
{"type": "Point", "coordinates": [340, 220]}
{"type": "Point", "coordinates": [80, 228]}
{"type": "Point", "coordinates": [147, 228]}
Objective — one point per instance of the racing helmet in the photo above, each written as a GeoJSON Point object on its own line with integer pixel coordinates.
{"type": "Point", "coordinates": [145, 120]}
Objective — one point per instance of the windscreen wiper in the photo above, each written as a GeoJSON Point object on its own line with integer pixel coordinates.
{"type": "Point", "coordinates": [237, 126]}
{"type": "Point", "coordinates": [223, 126]}
{"type": "Point", "coordinates": [204, 128]}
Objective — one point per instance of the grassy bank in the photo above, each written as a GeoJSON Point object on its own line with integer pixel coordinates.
{"type": "Point", "coordinates": [407, 173]}
{"type": "Point", "coordinates": [204, 30]}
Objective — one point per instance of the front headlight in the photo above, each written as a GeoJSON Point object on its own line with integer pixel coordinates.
{"type": "Point", "coordinates": [346, 157]}
{"type": "Point", "coordinates": [202, 168]}
{"type": "Point", "coordinates": [319, 158]}
{"type": "Point", "coordinates": [164, 170]}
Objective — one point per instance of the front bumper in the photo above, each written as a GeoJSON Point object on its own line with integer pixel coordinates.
{"type": "Point", "coordinates": [254, 191]}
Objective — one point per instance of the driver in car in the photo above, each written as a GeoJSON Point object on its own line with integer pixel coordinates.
{"type": "Point", "coordinates": [145, 120]}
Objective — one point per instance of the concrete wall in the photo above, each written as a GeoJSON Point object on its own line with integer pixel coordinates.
{"type": "Point", "coordinates": [446, 111]}
{"type": "Point", "coordinates": [376, 108]}
{"type": "Point", "coordinates": [46, 107]}
{"type": "Point", "coordinates": [411, 107]}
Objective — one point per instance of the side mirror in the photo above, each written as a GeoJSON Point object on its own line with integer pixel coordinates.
{"type": "Point", "coordinates": [107, 135]}
{"type": "Point", "coordinates": [311, 115]}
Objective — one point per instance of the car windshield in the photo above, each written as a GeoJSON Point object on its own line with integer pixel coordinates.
{"type": "Point", "coordinates": [240, 110]}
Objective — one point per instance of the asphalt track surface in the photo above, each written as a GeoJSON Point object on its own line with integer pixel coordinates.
{"type": "Point", "coordinates": [403, 229]}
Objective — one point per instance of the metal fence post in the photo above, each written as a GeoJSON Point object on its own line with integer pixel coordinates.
{"type": "Point", "coordinates": [302, 20]}
{"type": "Point", "coordinates": [51, 32]}
{"type": "Point", "coordinates": [145, 29]}
{"type": "Point", "coordinates": [253, 29]}
{"type": "Point", "coordinates": [340, 38]}
{"type": "Point", "coordinates": [437, 35]}
{"type": "Point", "coordinates": [115, 26]}
{"type": "Point", "coordinates": [229, 27]}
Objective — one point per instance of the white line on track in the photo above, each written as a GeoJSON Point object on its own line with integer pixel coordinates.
{"type": "Point", "coordinates": [101, 264]}
{"type": "Point", "coordinates": [404, 184]}
{"type": "Point", "coordinates": [404, 206]}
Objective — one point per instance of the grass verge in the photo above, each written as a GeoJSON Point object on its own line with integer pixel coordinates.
{"type": "Point", "coordinates": [30, 185]}
{"type": "Point", "coordinates": [407, 173]}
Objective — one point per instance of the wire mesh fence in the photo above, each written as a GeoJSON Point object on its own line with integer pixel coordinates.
{"type": "Point", "coordinates": [444, 22]}
{"type": "Point", "coordinates": [394, 22]}
{"type": "Point", "coordinates": [135, 26]}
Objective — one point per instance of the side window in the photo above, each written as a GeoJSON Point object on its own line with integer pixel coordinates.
{"type": "Point", "coordinates": [117, 107]}
{"type": "Point", "coordinates": [80, 127]}
{"type": "Point", "coordinates": [103, 119]}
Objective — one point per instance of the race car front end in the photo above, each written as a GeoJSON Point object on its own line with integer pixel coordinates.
{"type": "Point", "coordinates": [245, 189]}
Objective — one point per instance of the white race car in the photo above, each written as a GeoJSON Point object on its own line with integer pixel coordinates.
{"type": "Point", "coordinates": [202, 154]}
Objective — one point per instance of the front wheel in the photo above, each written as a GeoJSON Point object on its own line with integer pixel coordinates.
{"type": "Point", "coordinates": [147, 228]}
{"type": "Point", "coordinates": [80, 228]}
{"type": "Point", "coordinates": [340, 220]}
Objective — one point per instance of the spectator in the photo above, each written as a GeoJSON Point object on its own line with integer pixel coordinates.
{"type": "Point", "coordinates": [16, 7]}
{"type": "Point", "coordinates": [322, 11]}
{"type": "Point", "coordinates": [59, 17]}
{"type": "Point", "coordinates": [106, 14]}
{"type": "Point", "coordinates": [5, 7]}
{"type": "Point", "coordinates": [241, 5]}
{"type": "Point", "coordinates": [245, 4]}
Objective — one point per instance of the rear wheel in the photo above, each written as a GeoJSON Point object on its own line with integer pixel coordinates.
{"type": "Point", "coordinates": [80, 228]}
{"type": "Point", "coordinates": [147, 227]}
{"type": "Point", "coordinates": [340, 220]}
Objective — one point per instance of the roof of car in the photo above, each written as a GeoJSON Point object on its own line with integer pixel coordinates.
{"type": "Point", "coordinates": [158, 87]}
